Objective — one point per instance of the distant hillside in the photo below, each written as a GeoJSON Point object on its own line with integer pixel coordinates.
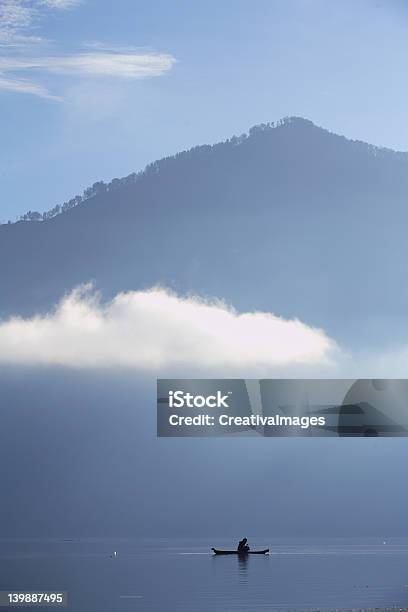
{"type": "Point", "coordinates": [101, 187]}
{"type": "Point", "coordinates": [290, 218]}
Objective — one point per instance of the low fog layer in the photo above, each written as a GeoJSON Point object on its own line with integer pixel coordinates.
{"type": "Point", "coordinates": [158, 332]}
{"type": "Point", "coordinates": [79, 456]}
{"type": "Point", "coordinates": [158, 329]}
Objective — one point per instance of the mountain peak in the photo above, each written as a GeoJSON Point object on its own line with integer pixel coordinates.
{"type": "Point", "coordinates": [289, 132]}
{"type": "Point", "coordinates": [291, 122]}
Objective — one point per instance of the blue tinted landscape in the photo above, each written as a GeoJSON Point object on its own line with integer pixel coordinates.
{"type": "Point", "coordinates": [200, 190]}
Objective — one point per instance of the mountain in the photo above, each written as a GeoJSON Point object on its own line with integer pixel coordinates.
{"type": "Point", "coordinates": [290, 218]}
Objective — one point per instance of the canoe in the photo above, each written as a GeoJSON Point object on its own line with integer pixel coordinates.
{"type": "Point", "coordinates": [235, 552]}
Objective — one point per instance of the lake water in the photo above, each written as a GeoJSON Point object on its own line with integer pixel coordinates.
{"type": "Point", "coordinates": [160, 575]}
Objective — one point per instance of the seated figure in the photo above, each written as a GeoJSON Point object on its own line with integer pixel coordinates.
{"type": "Point", "coordinates": [243, 547]}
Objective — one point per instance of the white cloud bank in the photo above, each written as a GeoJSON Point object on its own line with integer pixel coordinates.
{"type": "Point", "coordinates": [157, 330]}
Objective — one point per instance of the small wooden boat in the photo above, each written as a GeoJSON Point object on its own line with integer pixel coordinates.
{"type": "Point", "coordinates": [235, 552]}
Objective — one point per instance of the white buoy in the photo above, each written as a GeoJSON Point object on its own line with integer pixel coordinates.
{"type": "Point", "coordinates": [114, 554]}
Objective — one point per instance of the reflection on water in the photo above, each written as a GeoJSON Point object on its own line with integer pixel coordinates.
{"type": "Point", "coordinates": [242, 565]}
{"type": "Point", "coordinates": [237, 563]}
{"type": "Point", "coordinates": [182, 575]}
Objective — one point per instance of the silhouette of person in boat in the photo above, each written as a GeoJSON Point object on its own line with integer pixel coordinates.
{"type": "Point", "coordinates": [243, 547]}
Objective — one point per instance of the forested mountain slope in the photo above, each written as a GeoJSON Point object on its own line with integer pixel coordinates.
{"type": "Point", "coordinates": [291, 218]}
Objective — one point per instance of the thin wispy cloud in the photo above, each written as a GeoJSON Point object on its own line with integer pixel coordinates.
{"type": "Point", "coordinates": [24, 66]}
{"type": "Point", "coordinates": [156, 329]}
{"type": "Point", "coordinates": [23, 86]}
{"type": "Point", "coordinates": [108, 64]}
{"type": "Point", "coordinates": [19, 20]}
{"type": "Point", "coordinates": [125, 66]}
{"type": "Point", "coordinates": [60, 4]}
{"type": "Point", "coordinates": [16, 17]}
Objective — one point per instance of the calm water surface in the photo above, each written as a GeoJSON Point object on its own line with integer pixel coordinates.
{"type": "Point", "coordinates": [182, 575]}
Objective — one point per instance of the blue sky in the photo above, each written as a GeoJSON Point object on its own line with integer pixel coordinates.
{"type": "Point", "coordinates": [92, 89]}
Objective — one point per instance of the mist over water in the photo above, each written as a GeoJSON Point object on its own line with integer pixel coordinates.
{"type": "Point", "coordinates": [80, 451]}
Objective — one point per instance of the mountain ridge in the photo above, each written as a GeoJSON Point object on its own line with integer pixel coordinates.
{"type": "Point", "coordinates": [295, 220]}
{"type": "Point", "coordinates": [101, 186]}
